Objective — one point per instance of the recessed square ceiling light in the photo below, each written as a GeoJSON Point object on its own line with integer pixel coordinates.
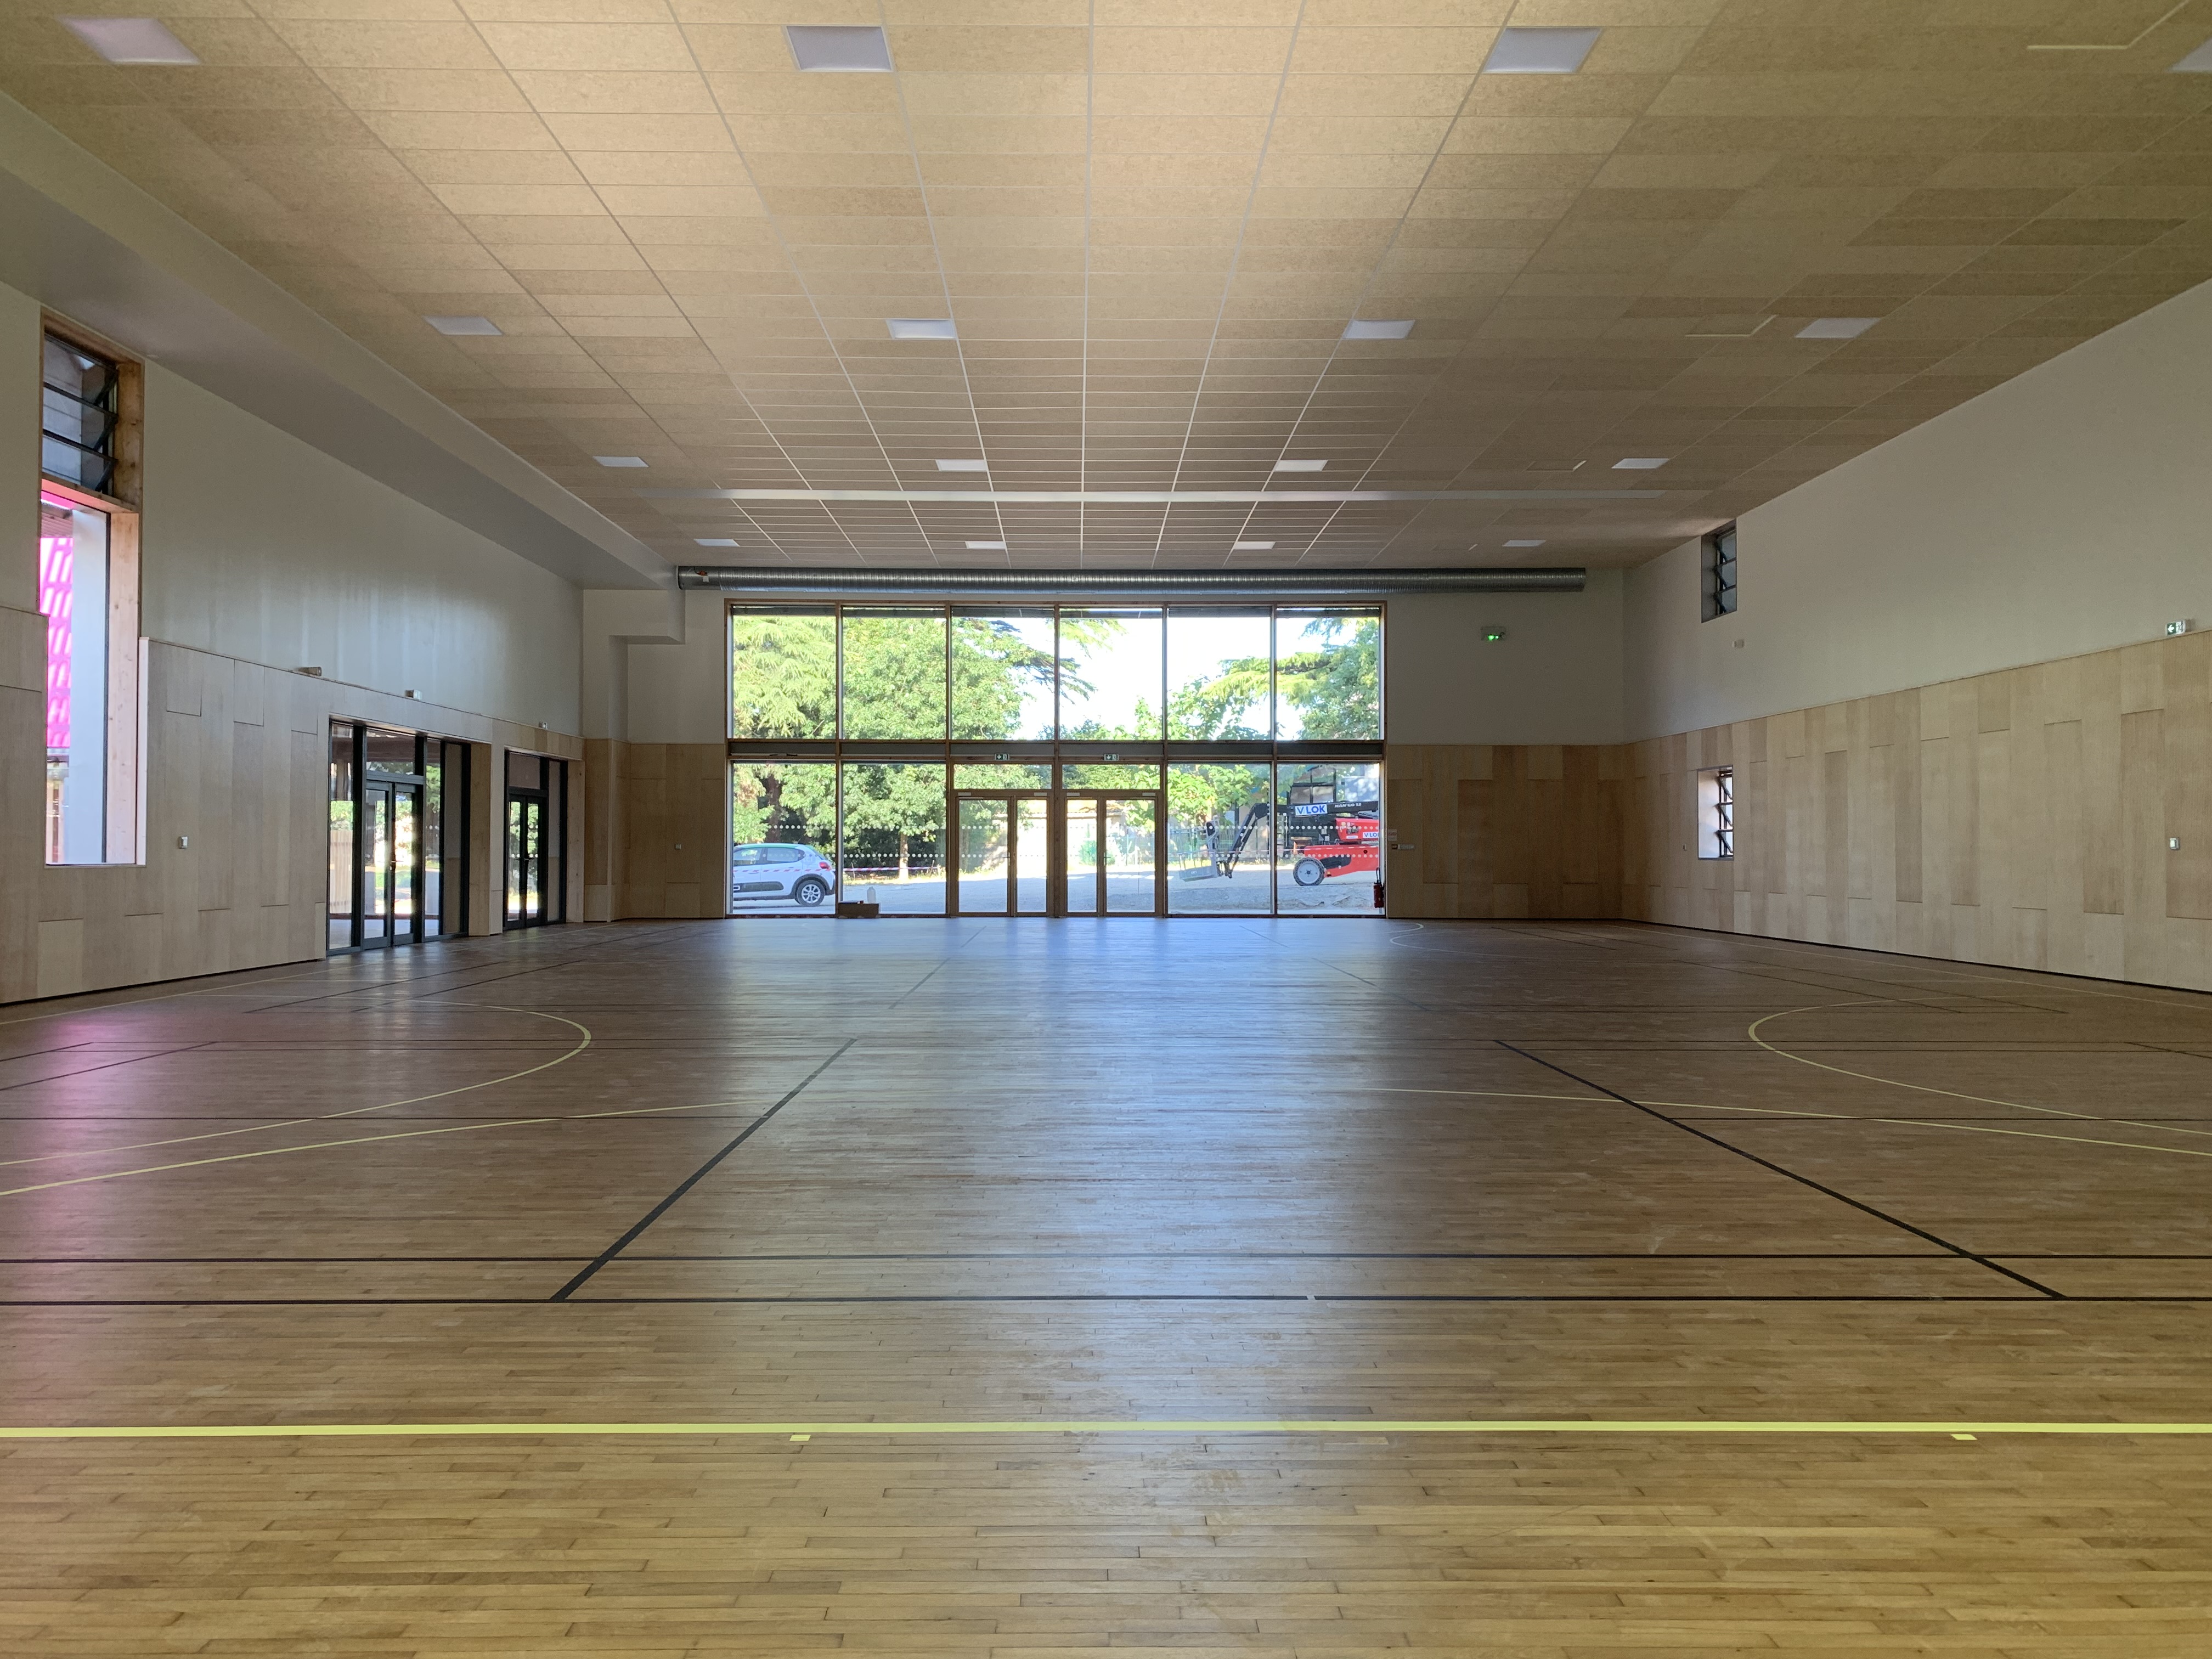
{"type": "Point", "coordinates": [963, 466]}
{"type": "Point", "coordinates": [1540, 52]}
{"type": "Point", "coordinates": [921, 328]}
{"type": "Point", "coordinates": [619, 460]}
{"type": "Point", "coordinates": [1252, 547]}
{"type": "Point", "coordinates": [715, 541]}
{"type": "Point", "coordinates": [987, 547]}
{"type": "Point", "coordinates": [839, 48]}
{"type": "Point", "coordinates": [1362, 329]}
{"type": "Point", "coordinates": [464, 325]}
{"type": "Point", "coordinates": [130, 39]}
{"type": "Point", "coordinates": [1837, 328]}
{"type": "Point", "coordinates": [1640, 463]}
{"type": "Point", "coordinates": [2198, 62]}
{"type": "Point", "coordinates": [1299, 466]}
{"type": "Point", "coordinates": [1534, 543]}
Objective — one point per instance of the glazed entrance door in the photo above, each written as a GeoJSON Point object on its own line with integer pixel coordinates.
{"type": "Point", "coordinates": [1002, 853]}
{"type": "Point", "coordinates": [1110, 855]}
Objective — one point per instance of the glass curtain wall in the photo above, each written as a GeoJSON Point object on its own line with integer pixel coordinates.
{"type": "Point", "coordinates": [1189, 759]}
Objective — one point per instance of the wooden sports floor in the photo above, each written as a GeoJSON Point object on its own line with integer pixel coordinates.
{"type": "Point", "coordinates": [771, 1288]}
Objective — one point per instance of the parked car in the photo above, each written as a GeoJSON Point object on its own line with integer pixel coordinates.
{"type": "Point", "coordinates": [780, 869]}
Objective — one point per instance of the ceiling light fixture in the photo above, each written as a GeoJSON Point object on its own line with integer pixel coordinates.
{"type": "Point", "coordinates": [2198, 62]}
{"type": "Point", "coordinates": [1300, 466]}
{"type": "Point", "coordinates": [1554, 466]}
{"type": "Point", "coordinates": [1534, 543]}
{"type": "Point", "coordinates": [1540, 52]}
{"type": "Point", "coordinates": [839, 48]}
{"type": "Point", "coordinates": [130, 39]}
{"type": "Point", "coordinates": [963, 466]}
{"type": "Point", "coordinates": [921, 328]}
{"type": "Point", "coordinates": [619, 460]}
{"type": "Point", "coordinates": [1837, 328]}
{"type": "Point", "coordinates": [1640, 463]}
{"type": "Point", "coordinates": [464, 325]}
{"type": "Point", "coordinates": [1252, 547]}
{"type": "Point", "coordinates": [1362, 329]}
{"type": "Point", "coordinates": [987, 547]}
{"type": "Point", "coordinates": [713, 541]}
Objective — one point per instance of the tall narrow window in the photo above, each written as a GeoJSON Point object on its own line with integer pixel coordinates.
{"type": "Point", "coordinates": [88, 594]}
{"type": "Point", "coordinates": [1720, 573]}
{"type": "Point", "coordinates": [1717, 812]}
{"type": "Point", "coordinates": [73, 594]}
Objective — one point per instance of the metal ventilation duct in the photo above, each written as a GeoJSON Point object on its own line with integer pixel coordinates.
{"type": "Point", "coordinates": [1150, 584]}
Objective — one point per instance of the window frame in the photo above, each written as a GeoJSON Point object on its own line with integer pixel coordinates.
{"type": "Point", "coordinates": [1716, 808]}
{"type": "Point", "coordinates": [1717, 582]}
{"type": "Point", "coordinates": [124, 837]}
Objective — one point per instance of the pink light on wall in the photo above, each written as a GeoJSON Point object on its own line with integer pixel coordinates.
{"type": "Point", "coordinates": [57, 566]}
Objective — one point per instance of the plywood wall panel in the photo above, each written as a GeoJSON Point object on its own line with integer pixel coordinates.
{"type": "Point", "coordinates": [2018, 818]}
{"type": "Point", "coordinates": [237, 763]}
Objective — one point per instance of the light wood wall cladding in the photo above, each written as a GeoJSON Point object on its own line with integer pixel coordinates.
{"type": "Point", "coordinates": [2018, 818]}
{"type": "Point", "coordinates": [237, 760]}
{"type": "Point", "coordinates": [1495, 830]}
{"type": "Point", "coordinates": [666, 829]}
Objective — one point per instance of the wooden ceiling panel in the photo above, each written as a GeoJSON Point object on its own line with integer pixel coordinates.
{"type": "Point", "coordinates": [1152, 220]}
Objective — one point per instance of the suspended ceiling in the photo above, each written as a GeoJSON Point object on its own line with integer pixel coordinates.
{"type": "Point", "coordinates": [1150, 222]}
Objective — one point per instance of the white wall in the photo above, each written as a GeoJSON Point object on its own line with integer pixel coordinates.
{"type": "Point", "coordinates": [257, 546]}
{"type": "Point", "coordinates": [2064, 512]}
{"type": "Point", "coordinates": [1555, 678]}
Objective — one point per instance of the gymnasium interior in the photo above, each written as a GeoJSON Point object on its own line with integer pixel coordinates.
{"type": "Point", "coordinates": [1296, 828]}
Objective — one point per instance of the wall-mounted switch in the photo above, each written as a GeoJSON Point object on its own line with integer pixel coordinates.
{"type": "Point", "coordinates": [183, 842]}
{"type": "Point", "coordinates": [2174, 843]}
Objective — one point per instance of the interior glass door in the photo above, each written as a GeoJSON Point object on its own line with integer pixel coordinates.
{"type": "Point", "coordinates": [526, 858]}
{"type": "Point", "coordinates": [406, 863]}
{"type": "Point", "coordinates": [375, 844]}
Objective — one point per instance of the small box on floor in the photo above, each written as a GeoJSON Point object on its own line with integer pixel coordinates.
{"type": "Point", "coordinates": [858, 907]}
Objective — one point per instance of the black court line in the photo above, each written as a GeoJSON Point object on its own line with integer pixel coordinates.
{"type": "Point", "coordinates": [1959, 1250]}
{"type": "Point", "coordinates": [105, 1066]}
{"type": "Point", "coordinates": [692, 1180]}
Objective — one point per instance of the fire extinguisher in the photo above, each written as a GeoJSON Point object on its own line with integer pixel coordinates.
{"type": "Point", "coordinates": [1378, 895]}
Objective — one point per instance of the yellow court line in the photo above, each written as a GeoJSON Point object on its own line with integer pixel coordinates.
{"type": "Point", "coordinates": [1246, 1425]}
{"type": "Point", "coordinates": [325, 1117]}
{"type": "Point", "coordinates": [1752, 1031]}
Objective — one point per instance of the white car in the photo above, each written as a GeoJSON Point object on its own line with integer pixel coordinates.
{"type": "Point", "coordinates": [781, 870]}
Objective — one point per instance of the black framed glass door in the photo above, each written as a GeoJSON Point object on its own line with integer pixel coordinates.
{"type": "Point", "coordinates": [536, 841]}
{"type": "Point", "coordinates": [397, 870]}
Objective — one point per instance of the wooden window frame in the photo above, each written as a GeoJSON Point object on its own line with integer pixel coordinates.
{"type": "Point", "coordinates": [126, 725]}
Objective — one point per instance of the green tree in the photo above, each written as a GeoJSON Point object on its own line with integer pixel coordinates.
{"type": "Point", "coordinates": [1337, 688]}
{"type": "Point", "coordinates": [784, 803]}
{"type": "Point", "coordinates": [783, 676]}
